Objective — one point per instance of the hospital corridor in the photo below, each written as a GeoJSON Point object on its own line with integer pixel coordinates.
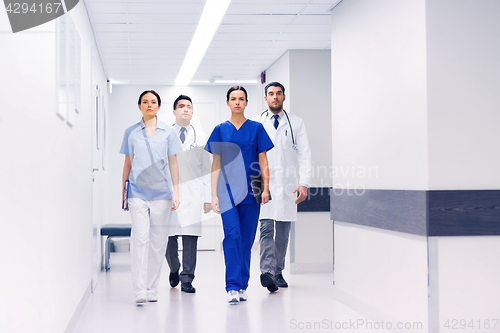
{"type": "Point", "coordinates": [250, 166]}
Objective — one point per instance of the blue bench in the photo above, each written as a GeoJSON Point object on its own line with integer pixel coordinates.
{"type": "Point", "coordinates": [113, 230]}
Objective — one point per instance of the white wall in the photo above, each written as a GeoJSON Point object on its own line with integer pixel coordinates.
{"type": "Point", "coordinates": [415, 93]}
{"type": "Point", "coordinates": [383, 271]}
{"type": "Point", "coordinates": [464, 101]}
{"type": "Point", "coordinates": [279, 71]}
{"type": "Point", "coordinates": [467, 281]}
{"type": "Point", "coordinates": [312, 246]}
{"type": "Point", "coordinates": [379, 135]}
{"type": "Point", "coordinates": [46, 201]}
{"type": "Point", "coordinates": [310, 90]}
{"type": "Point", "coordinates": [379, 108]}
{"type": "Point", "coordinates": [306, 75]}
{"type": "Point", "coordinates": [463, 81]}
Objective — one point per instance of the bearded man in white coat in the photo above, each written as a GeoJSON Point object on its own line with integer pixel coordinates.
{"type": "Point", "coordinates": [194, 191]}
{"type": "Point", "coordinates": [290, 177]}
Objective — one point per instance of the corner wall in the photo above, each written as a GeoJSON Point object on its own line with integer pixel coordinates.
{"type": "Point", "coordinates": [464, 101]}
{"type": "Point", "coordinates": [415, 94]}
{"type": "Point", "coordinates": [379, 134]}
{"type": "Point", "coordinates": [379, 93]}
{"type": "Point", "coordinates": [463, 49]}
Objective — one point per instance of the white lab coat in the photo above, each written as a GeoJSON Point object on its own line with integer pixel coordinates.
{"type": "Point", "coordinates": [287, 167]}
{"type": "Point", "coordinates": [194, 184]}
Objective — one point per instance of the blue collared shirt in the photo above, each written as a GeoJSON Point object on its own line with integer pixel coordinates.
{"type": "Point", "coordinates": [148, 181]}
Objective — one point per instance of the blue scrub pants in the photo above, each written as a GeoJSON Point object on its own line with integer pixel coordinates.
{"type": "Point", "coordinates": [240, 226]}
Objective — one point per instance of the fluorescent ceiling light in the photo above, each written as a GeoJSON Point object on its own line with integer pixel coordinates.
{"type": "Point", "coordinates": [207, 26]}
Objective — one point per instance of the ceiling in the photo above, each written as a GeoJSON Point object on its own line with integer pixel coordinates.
{"type": "Point", "coordinates": [145, 41]}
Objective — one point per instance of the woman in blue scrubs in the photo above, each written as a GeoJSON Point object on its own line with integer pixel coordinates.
{"type": "Point", "coordinates": [150, 146]}
{"type": "Point", "coordinates": [239, 148]}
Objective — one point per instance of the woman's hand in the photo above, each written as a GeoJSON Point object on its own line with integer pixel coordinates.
{"type": "Point", "coordinates": [215, 204]}
{"type": "Point", "coordinates": [214, 181]}
{"type": "Point", "coordinates": [264, 170]}
{"type": "Point", "coordinates": [175, 201]}
{"type": "Point", "coordinates": [265, 197]}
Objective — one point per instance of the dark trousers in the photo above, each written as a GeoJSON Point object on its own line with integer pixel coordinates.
{"type": "Point", "coordinates": [189, 247]}
{"type": "Point", "coordinates": [273, 245]}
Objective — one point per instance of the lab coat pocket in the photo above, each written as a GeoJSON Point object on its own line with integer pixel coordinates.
{"type": "Point", "coordinates": [286, 141]}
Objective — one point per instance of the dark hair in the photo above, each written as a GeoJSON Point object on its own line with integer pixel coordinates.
{"type": "Point", "coordinates": [147, 92]}
{"type": "Point", "coordinates": [275, 84]}
{"type": "Point", "coordinates": [181, 97]}
{"type": "Point", "coordinates": [233, 88]}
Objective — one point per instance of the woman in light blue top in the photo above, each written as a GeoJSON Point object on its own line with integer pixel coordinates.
{"type": "Point", "coordinates": [150, 146]}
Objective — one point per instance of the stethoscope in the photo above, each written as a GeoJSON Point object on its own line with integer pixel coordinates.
{"type": "Point", "coordinates": [294, 145]}
{"type": "Point", "coordinates": [194, 144]}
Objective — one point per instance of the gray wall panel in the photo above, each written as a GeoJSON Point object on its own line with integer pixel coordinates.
{"type": "Point", "coordinates": [426, 213]}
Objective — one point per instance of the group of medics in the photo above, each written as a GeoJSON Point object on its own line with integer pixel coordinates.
{"type": "Point", "coordinates": [261, 169]}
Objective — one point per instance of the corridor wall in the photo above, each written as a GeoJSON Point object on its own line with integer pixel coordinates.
{"type": "Point", "coordinates": [46, 211]}
{"type": "Point", "coordinates": [414, 90]}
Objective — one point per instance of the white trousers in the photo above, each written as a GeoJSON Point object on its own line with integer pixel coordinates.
{"type": "Point", "coordinates": [148, 241]}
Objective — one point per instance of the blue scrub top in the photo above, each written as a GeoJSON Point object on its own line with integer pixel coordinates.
{"type": "Point", "coordinates": [148, 181]}
{"type": "Point", "coordinates": [239, 151]}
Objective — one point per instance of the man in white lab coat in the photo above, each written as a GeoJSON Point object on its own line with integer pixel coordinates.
{"type": "Point", "coordinates": [290, 177]}
{"type": "Point", "coordinates": [194, 192]}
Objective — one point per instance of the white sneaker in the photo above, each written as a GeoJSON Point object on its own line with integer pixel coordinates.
{"type": "Point", "coordinates": [243, 295]}
{"type": "Point", "coordinates": [141, 298]}
{"type": "Point", "coordinates": [151, 296]}
{"type": "Point", "coordinates": [233, 297]}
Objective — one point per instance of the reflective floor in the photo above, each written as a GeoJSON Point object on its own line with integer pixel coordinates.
{"type": "Point", "coordinates": [310, 304]}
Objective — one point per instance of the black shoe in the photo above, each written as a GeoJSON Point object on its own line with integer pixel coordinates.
{"type": "Point", "coordinates": [174, 279]}
{"type": "Point", "coordinates": [267, 280]}
{"type": "Point", "coordinates": [187, 287]}
{"type": "Point", "coordinates": [280, 281]}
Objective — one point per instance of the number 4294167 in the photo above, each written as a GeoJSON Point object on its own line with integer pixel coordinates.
{"type": "Point", "coordinates": [23, 8]}
{"type": "Point", "coordinates": [455, 324]}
